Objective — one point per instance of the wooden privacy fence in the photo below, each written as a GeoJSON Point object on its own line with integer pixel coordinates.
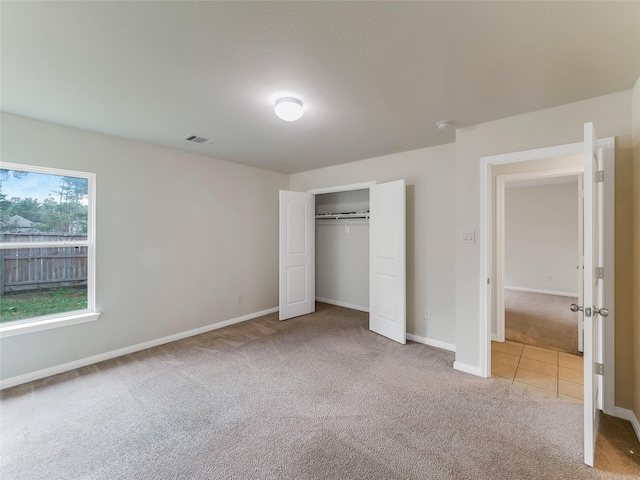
{"type": "Point", "coordinates": [38, 268]}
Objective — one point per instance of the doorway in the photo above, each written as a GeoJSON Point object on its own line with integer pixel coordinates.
{"type": "Point", "coordinates": [539, 257]}
{"type": "Point", "coordinates": [342, 249]}
{"type": "Point", "coordinates": [551, 161]}
{"type": "Point", "coordinates": [598, 272]}
{"type": "Point", "coordinates": [537, 249]}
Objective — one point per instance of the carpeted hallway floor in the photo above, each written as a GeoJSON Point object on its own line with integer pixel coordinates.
{"type": "Point", "coordinates": [314, 397]}
{"type": "Point", "coordinates": [541, 320]}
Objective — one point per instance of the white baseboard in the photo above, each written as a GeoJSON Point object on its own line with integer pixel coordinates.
{"type": "Point", "coordinates": [83, 362]}
{"type": "Point", "coordinates": [463, 367]}
{"type": "Point", "coordinates": [342, 304]}
{"type": "Point", "coordinates": [627, 414]}
{"type": "Point", "coordinates": [545, 292]}
{"type": "Point", "coordinates": [431, 342]}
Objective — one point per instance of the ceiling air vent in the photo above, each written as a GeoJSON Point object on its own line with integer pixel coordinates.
{"type": "Point", "coordinates": [196, 139]}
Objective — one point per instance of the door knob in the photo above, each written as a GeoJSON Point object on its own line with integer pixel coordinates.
{"type": "Point", "coordinates": [604, 312]}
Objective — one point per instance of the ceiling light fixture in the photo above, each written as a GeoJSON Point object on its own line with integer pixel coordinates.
{"type": "Point", "coordinates": [444, 124]}
{"type": "Point", "coordinates": [289, 109]}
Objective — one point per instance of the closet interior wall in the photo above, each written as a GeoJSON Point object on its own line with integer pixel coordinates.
{"type": "Point", "coordinates": [342, 250]}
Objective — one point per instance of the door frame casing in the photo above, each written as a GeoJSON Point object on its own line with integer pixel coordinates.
{"type": "Point", "coordinates": [338, 189]}
{"type": "Point", "coordinates": [400, 310]}
{"type": "Point", "coordinates": [486, 222]}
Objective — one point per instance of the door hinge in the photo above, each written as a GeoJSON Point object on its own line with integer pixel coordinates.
{"type": "Point", "coordinates": [598, 368]}
{"type": "Point", "coordinates": [488, 281]}
{"type": "Point", "coordinates": [599, 272]}
{"type": "Point", "coordinates": [599, 176]}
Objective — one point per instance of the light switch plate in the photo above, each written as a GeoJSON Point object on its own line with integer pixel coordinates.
{"type": "Point", "coordinates": [468, 237]}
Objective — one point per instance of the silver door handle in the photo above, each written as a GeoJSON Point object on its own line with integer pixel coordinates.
{"type": "Point", "coordinates": [604, 312]}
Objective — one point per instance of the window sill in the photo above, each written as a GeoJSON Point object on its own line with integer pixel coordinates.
{"type": "Point", "coordinates": [47, 323]}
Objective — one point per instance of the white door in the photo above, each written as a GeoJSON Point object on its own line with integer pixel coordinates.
{"type": "Point", "coordinates": [593, 287]}
{"type": "Point", "coordinates": [297, 254]}
{"type": "Point", "coordinates": [387, 272]}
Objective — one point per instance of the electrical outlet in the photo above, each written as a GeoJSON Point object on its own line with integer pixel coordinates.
{"type": "Point", "coordinates": [427, 314]}
{"type": "Point", "coordinates": [238, 298]}
{"type": "Point", "coordinates": [549, 278]}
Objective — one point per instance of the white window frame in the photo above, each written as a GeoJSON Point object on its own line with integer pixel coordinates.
{"type": "Point", "coordinates": [89, 314]}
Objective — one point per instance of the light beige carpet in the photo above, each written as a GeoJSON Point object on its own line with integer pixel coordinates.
{"type": "Point", "coordinates": [541, 320]}
{"type": "Point", "coordinates": [315, 397]}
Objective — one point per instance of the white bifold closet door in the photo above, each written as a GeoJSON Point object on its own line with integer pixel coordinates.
{"type": "Point", "coordinates": [387, 263]}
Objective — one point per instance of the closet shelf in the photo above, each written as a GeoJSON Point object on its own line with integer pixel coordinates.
{"type": "Point", "coordinates": [338, 216]}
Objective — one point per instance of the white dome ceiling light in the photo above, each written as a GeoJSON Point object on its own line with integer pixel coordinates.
{"type": "Point", "coordinates": [289, 109]}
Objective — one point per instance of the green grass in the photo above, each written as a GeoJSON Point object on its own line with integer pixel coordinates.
{"type": "Point", "coordinates": [22, 305]}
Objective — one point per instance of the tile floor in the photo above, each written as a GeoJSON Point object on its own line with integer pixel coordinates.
{"type": "Point", "coordinates": [543, 370]}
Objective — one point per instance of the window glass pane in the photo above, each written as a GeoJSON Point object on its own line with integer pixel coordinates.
{"type": "Point", "coordinates": [40, 207]}
{"type": "Point", "coordinates": [42, 281]}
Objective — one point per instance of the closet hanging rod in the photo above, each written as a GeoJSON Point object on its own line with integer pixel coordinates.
{"type": "Point", "coordinates": [338, 216]}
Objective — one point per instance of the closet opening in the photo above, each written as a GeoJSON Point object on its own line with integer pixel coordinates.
{"type": "Point", "coordinates": [361, 249]}
{"type": "Point", "coordinates": [342, 249]}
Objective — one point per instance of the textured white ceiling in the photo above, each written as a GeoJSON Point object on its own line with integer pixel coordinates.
{"type": "Point", "coordinates": [374, 76]}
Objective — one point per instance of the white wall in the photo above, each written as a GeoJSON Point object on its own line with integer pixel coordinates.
{"type": "Point", "coordinates": [342, 254]}
{"type": "Point", "coordinates": [555, 126]}
{"type": "Point", "coordinates": [177, 236]}
{"type": "Point", "coordinates": [541, 238]}
{"type": "Point", "coordinates": [429, 174]}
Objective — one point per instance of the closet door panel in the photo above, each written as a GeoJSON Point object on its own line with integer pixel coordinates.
{"type": "Point", "coordinates": [297, 254]}
{"type": "Point", "coordinates": [387, 281]}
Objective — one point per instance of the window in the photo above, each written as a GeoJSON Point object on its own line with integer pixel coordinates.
{"type": "Point", "coordinates": [47, 248]}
